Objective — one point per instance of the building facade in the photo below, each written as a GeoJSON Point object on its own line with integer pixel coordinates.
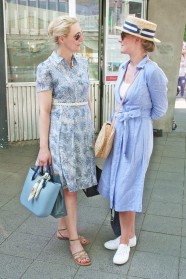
{"type": "Point", "coordinates": [25, 44]}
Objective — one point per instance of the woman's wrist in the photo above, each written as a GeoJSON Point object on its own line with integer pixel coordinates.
{"type": "Point", "coordinates": [44, 147]}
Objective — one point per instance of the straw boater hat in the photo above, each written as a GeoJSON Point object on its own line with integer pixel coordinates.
{"type": "Point", "coordinates": [140, 28]}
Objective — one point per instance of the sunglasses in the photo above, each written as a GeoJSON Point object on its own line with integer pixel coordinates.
{"type": "Point", "coordinates": [123, 35]}
{"type": "Point", "coordinates": [78, 35]}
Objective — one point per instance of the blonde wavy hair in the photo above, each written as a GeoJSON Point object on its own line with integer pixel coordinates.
{"type": "Point", "coordinates": [60, 27]}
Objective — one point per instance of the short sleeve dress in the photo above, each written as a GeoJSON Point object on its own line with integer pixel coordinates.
{"type": "Point", "coordinates": [71, 134]}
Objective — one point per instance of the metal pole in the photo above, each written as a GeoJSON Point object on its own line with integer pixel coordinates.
{"type": "Point", "coordinates": [3, 105]}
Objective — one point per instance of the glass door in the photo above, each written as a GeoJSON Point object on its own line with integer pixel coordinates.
{"type": "Point", "coordinates": [115, 13]}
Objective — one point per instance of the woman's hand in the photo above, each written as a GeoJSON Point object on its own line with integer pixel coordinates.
{"type": "Point", "coordinates": [44, 157]}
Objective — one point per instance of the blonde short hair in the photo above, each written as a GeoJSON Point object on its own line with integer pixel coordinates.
{"type": "Point", "coordinates": [60, 27]}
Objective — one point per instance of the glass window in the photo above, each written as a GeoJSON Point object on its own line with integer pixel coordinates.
{"type": "Point", "coordinates": [88, 16]}
{"type": "Point", "coordinates": [26, 33]}
{"type": "Point", "coordinates": [32, 3]}
{"type": "Point", "coordinates": [42, 4]}
{"type": "Point", "coordinates": [116, 13]}
{"type": "Point", "coordinates": [135, 8]}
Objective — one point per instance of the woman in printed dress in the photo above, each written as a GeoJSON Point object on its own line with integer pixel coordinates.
{"type": "Point", "coordinates": [65, 124]}
{"type": "Point", "coordinates": [122, 179]}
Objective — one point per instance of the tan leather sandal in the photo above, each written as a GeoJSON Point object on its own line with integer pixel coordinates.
{"type": "Point", "coordinates": [61, 236]}
{"type": "Point", "coordinates": [80, 256]}
{"type": "Point", "coordinates": [83, 240]}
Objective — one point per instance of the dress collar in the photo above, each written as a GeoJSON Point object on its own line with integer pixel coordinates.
{"type": "Point", "coordinates": [140, 65]}
{"type": "Point", "coordinates": [58, 59]}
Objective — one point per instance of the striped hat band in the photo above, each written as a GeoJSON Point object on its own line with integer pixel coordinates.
{"type": "Point", "coordinates": [132, 28]}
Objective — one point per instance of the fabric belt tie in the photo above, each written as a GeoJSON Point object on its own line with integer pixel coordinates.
{"type": "Point", "coordinates": [69, 104]}
{"type": "Point", "coordinates": [124, 117]}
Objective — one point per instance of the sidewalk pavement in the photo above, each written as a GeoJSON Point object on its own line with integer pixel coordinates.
{"type": "Point", "coordinates": [28, 245]}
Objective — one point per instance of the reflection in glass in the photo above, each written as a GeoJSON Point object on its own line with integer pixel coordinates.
{"type": "Point", "coordinates": [27, 40]}
{"type": "Point", "coordinates": [117, 12]}
{"type": "Point", "coordinates": [135, 9]}
{"type": "Point", "coordinates": [88, 15]}
{"type": "Point", "coordinates": [119, 9]}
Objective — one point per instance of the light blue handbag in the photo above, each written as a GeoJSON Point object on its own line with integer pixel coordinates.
{"type": "Point", "coordinates": [42, 194]}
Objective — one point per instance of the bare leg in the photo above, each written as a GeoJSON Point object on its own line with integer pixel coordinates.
{"type": "Point", "coordinates": [127, 223]}
{"type": "Point", "coordinates": [62, 231]}
{"type": "Point", "coordinates": [71, 222]}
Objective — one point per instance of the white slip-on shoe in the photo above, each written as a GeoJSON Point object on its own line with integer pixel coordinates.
{"type": "Point", "coordinates": [114, 244]}
{"type": "Point", "coordinates": [132, 241]}
{"type": "Point", "coordinates": [122, 254]}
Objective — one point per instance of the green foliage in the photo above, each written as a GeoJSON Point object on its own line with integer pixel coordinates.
{"type": "Point", "coordinates": [185, 35]}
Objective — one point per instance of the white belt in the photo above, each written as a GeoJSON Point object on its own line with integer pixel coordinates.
{"type": "Point", "coordinates": [69, 104]}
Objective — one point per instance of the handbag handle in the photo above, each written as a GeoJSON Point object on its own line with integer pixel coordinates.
{"type": "Point", "coordinates": [36, 171]}
{"type": "Point", "coordinates": [119, 107]}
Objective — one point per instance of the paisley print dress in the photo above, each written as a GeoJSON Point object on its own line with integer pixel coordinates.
{"type": "Point", "coordinates": [71, 135]}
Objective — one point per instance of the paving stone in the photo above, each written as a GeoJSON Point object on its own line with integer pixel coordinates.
{"type": "Point", "coordinates": [47, 270]}
{"type": "Point", "coordinates": [174, 154]}
{"type": "Point", "coordinates": [165, 175]}
{"type": "Point", "coordinates": [92, 215]}
{"type": "Point", "coordinates": [23, 245]}
{"type": "Point", "coordinates": [153, 166]}
{"type": "Point", "coordinates": [39, 226]}
{"type": "Point", "coordinates": [14, 205]}
{"type": "Point", "coordinates": [96, 201]}
{"type": "Point", "coordinates": [4, 175]}
{"type": "Point", "coordinates": [11, 220]}
{"type": "Point", "coordinates": [182, 269]}
{"type": "Point", "coordinates": [184, 211]}
{"type": "Point", "coordinates": [13, 267]}
{"type": "Point", "coordinates": [89, 230]}
{"type": "Point", "coordinates": [18, 159]}
{"type": "Point", "coordinates": [165, 209]}
{"type": "Point", "coordinates": [184, 227]}
{"type": "Point", "coordinates": [4, 199]}
{"type": "Point", "coordinates": [31, 242]}
{"type": "Point", "coordinates": [176, 162]}
{"type": "Point", "coordinates": [104, 234]}
{"type": "Point", "coordinates": [139, 220]}
{"type": "Point", "coordinates": [4, 167]}
{"type": "Point", "coordinates": [149, 183]}
{"type": "Point", "coordinates": [95, 274]}
{"type": "Point", "coordinates": [57, 251]}
{"type": "Point", "coordinates": [12, 185]}
{"type": "Point", "coordinates": [183, 247]}
{"type": "Point", "coordinates": [156, 157]}
{"type": "Point", "coordinates": [162, 224]}
{"type": "Point", "coordinates": [171, 168]}
{"type": "Point", "coordinates": [151, 174]}
{"type": "Point", "coordinates": [166, 193]}
{"type": "Point", "coordinates": [180, 148]}
{"type": "Point", "coordinates": [154, 266]}
{"type": "Point", "coordinates": [159, 243]}
{"type": "Point", "coordinates": [102, 260]}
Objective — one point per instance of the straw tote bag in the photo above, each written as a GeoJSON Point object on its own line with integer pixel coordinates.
{"type": "Point", "coordinates": [105, 139]}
